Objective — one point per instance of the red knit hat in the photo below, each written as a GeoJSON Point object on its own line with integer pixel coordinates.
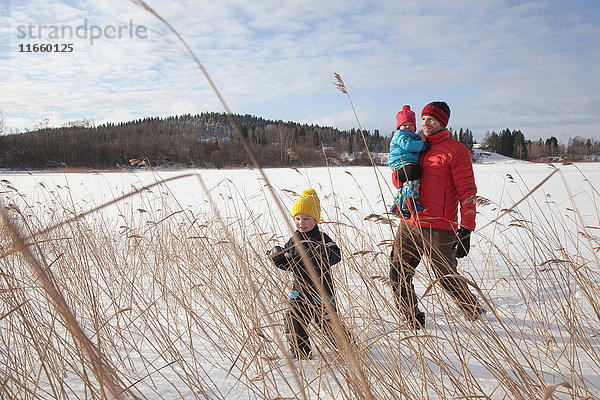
{"type": "Point", "coordinates": [439, 110]}
{"type": "Point", "coordinates": [406, 115]}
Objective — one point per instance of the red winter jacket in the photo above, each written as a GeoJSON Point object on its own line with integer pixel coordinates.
{"type": "Point", "coordinates": [447, 179]}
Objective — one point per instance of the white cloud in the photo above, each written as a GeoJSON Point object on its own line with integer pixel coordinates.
{"type": "Point", "coordinates": [16, 123]}
{"type": "Point", "coordinates": [497, 64]}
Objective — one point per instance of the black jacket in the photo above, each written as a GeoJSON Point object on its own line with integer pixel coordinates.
{"type": "Point", "coordinates": [322, 253]}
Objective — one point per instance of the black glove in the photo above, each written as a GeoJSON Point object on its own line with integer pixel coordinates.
{"type": "Point", "coordinates": [277, 255]}
{"type": "Point", "coordinates": [409, 172]}
{"type": "Point", "coordinates": [463, 245]}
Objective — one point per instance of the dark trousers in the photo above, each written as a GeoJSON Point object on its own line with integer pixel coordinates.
{"type": "Point", "coordinates": [297, 319]}
{"type": "Point", "coordinates": [410, 245]}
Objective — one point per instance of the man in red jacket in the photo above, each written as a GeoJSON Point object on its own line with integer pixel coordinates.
{"type": "Point", "coordinates": [447, 182]}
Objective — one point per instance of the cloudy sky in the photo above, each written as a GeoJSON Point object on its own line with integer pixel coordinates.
{"type": "Point", "coordinates": [528, 65]}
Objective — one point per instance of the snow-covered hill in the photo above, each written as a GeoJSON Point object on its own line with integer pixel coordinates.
{"type": "Point", "coordinates": [489, 157]}
{"type": "Point", "coordinates": [480, 156]}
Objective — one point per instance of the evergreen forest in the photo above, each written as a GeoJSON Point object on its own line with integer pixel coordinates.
{"type": "Point", "coordinates": [208, 140]}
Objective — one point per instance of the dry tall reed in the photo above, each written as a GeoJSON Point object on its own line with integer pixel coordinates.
{"type": "Point", "coordinates": [160, 293]}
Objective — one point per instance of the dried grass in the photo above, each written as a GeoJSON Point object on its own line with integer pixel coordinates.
{"type": "Point", "coordinates": [162, 297]}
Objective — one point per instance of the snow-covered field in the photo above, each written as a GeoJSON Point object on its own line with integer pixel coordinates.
{"type": "Point", "coordinates": [172, 288]}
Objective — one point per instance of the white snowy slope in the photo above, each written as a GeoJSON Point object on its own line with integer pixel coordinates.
{"type": "Point", "coordinates": [484, 156]}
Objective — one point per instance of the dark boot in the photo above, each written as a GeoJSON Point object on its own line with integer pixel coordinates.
{"type": "Point", "coordinates": [415, 320]}
{"type": "Point", "coordinates": [463, 297]}
{"type": "Point", "coordinates": [296, 333]}
{"type": "Point", "coordinates": [475, 313]}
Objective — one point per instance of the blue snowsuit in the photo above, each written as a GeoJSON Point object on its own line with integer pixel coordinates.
{"type": "Point", "coordinates": [405, 148]}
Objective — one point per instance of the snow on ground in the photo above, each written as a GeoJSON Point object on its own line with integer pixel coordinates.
{"type": "Point", "coordinates": [513, 250]}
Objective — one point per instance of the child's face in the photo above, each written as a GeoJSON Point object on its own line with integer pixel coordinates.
{"type": "Point", "coordinates": [304, 222]}
{"type": "Point", "coordinates": [409, 126]}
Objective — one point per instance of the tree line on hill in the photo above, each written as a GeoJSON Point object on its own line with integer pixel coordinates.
{"type": "Point", "coordinates": [513, 144]}
{"type": "Point", "coordinates": [208, 140]}
{"type": "Point", "coordinates": [204, 140]}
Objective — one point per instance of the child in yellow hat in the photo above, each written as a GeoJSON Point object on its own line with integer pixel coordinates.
{"type": "Point", "coordinates": [306, 299]}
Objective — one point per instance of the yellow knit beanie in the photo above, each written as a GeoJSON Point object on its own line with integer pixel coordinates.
{"type": "Point", "coordinates": [309, 204]}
